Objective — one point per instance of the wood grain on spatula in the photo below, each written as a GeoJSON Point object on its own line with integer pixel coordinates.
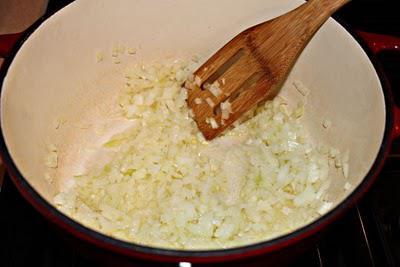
{"type": "Point", "coordinates": [253, 66]}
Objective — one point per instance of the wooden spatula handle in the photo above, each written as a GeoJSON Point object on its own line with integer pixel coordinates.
{"type": "Point", "coordinates": [281, 40]}
{"type": "Point", "coordinates": [328, 5]}
{"type": "Point", "coordinates": [315, 12]}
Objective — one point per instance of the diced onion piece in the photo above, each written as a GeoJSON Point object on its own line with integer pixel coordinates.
{"type": "Point", "coordinates": [198, 101]}
{"type": "Point", "coordinates": [327, 123]}
{"type": "Point", "coordinates": [333, 152]}
{"type": "Point", "coordinates": [197, 80]}
{"type": "Point", "coordinates": [345, 169]}
{"type": "Point", "coordinates": [301, 88]}
{"type": "Point", "coordinates": [213, 123]}
{"type": "Point", "coordinates": [299, 111]}
{"type": "Point", "coordinates": [51, 148]}
{"type": "Point", "coordinates": [226, 106]}
{"type": "Point", "coordinates": [195, 58]}
{"type": "Point", "coordinates": [51, 160]}
{"type": "Point", "coordinates": [132, 51]}
{"type": "Point", "coordinates": [325, 207]}
{"type": "Point", "coordinates": [338, 163]}
{"type": "Point", "coordinates": [215, 90]}
{"type": "Point", "coordinates": [347, 186]}
{"type": "Point", "coordinates": [305, 197]}
{"type": "Point", "coordinates": [226, 109]}
{"type": "Point", "coordinates": [99, 56]}
{"type": "Point", "coordinates": [210, 102]}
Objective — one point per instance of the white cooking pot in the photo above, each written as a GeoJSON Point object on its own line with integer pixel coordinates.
{"type": "Point", "coordinates": [54, 78]}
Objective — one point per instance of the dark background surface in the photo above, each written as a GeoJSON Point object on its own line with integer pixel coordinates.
{"type": "Point", "coordinates": [369, 235]}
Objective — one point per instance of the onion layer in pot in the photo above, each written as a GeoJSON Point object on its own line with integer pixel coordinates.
{"type": "Point", "coordinates": [166, 186]}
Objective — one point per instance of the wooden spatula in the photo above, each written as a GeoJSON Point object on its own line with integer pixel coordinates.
{"type": "Point", "coordinates": [253, 66]}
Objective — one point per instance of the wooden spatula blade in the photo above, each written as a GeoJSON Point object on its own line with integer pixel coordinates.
{"type": "Point", "coordinates": [257, 92]}
{"type": "Point", "coordinates": [252, 66]}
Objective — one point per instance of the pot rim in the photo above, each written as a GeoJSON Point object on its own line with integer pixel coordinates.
{"type": "Point", "coordinates": [152, 253]}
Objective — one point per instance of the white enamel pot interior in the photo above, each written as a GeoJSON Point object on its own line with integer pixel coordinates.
{"type": "Point", "coordinates": [55, 92]}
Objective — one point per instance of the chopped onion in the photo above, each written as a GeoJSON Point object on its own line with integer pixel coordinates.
{"type": "Point", "coordinates": [198, 101]}
{"type": "Point", "coordinates": [197, 80]}
{"type": "Point", "coordinates": [301, 88]}
{"type": "Point", "coordinates": [347, 186]}
{"type": "Point", "coordinates": [210, 102]}
{"type": "Point", "coordinates": [215, 90]}
{"type": "Point", "coordinates": [166, 186]}
{"type": "Point", "coordinates": [327, 123]}
{"type": "Point", "coordinates": [325, 207]}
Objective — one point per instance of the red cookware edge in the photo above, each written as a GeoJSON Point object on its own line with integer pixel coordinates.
{"type": "Point", "coordinates": [7, 42]}
{"type": "Point", "coordinates": [378, 43]}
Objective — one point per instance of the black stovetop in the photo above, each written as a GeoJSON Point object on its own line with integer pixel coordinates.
{"type": "Point", "coordinates": [369, 235]}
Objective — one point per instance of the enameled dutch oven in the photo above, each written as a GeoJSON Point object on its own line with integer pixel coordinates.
{"type": "Point", "coordinates": [53, 74]}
